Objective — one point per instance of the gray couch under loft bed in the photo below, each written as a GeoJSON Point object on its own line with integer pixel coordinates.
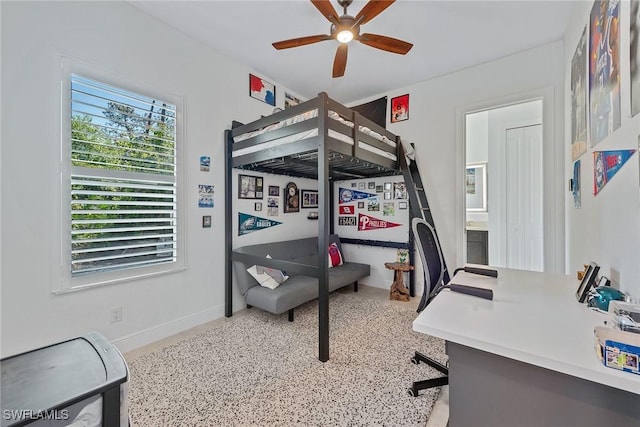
{"type": "Point", "coordinates": [318, 139]}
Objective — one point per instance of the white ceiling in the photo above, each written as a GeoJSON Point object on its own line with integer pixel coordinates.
{"type": "Point", "coordinates": [447, 36]}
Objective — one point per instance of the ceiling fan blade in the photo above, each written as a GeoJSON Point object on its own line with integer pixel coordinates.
{"type": "Point", "coordinates": [324, 6]}
{"type": "Point", "coordinates": [300, 41]}
{"type": "Point", "coordinates": [340, 61]}
{"type": "Point", "coordinates": [372, 9]}
{"type": "Point", "coordinates": [385, 43]}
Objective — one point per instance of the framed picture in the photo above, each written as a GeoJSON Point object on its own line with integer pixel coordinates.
{"type": "Point", "coordinates": [402, 256]}
{"type": "Point", "coordinates": [274, 190]}
{"type": "Point", "coordinates": [399, 190]}
{"type": "Point", "coordinates": [258, 206]}
{"type": "Point", "coordinates": [360, 205]}
{"type": "Point", "coordinates": [291, 198]}
{"type": "Point", "coordinates": [309, 199]}
{"type": "Point", "coordinates": [476, 187]}
{"type": "Point", "coordinates": [205, 163]}
{"type": "Point", "coordinates": [402, 205]}
{"type": "Point", "coordinates": [371, 185]}
{"type": "Point", "coordinates": [272, 206]}
{"type": "Point", "coordinates": [379, 189]}
{"type": "Point", "coordinates": [249, 187]}
{"type": "Point", "coordinates": [262, 90]}
{"type": "Point", "coordinates": [290, 100]}
{"type": "Point", "coordinates": [587, 282]}
{"type": "Point", "coordinates": [400, 108]}
{"type": "Point", "coordinates": [361, 185]}
{"type": "Point", "coordinates": [206, 221]}
{"type": "Point", "coordinates": [387, 186]}
{"type": "Point", "coordinates": [387, 195]}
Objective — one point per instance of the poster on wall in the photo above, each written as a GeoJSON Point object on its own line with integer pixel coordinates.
{"type": "Point", "coordinates": [248, 223]}
{"type": "Point", "coordinates": [575, 185]}
{"type": "Point", "coordinates": [606, 164]}
{"type": "Point", "coordinates": [262, 90]}
{"type": "Point", "coordinates": [205, 163]}
{"type": "Point", "coordinates": [604, 70]}
{"type": "Point", "coordinates": [399, 108]}
{"type": "Point", "coordinates": [290, 100]}
{"type": "Point", "coordinates": [634, 47]}
{"type": "Point", "coordinates": [205, 196]}
{"type": "Point", "coordinates": [272, 206]}
{"type": "Point", "coordinates": [579, 98]}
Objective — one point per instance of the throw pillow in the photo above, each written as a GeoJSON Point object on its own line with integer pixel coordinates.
{"type": "Point", "coordinates": [335, 257]}
{"type": "Point", "coordinates": [268, 277]}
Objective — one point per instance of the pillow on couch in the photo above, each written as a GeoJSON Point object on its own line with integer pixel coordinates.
{"type": "Point", "coordinates": [335, 257]}
{"type": "Point", "coordinates": [268, 277]}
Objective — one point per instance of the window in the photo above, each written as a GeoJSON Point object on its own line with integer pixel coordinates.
{"type": "Point", "coordinates": [123, 181]}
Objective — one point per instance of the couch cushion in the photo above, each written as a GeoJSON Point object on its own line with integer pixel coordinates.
{"type": "Point", "coordinates": [347, 273]}
{"type": "Point", "coordinates": [295, 291]}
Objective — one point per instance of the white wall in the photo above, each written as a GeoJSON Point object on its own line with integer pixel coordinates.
{"type": "Point", "coordinates": [436, 126]}
{"type": "Point", "coordinates": [606, 229]}
{"type": "Point", "coordinates": [121, 40]}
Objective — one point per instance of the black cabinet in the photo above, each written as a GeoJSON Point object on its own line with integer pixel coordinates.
{"type": "Point", "coordinates": [478, 247]}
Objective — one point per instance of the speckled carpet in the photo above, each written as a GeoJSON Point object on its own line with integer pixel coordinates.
{"type": "Point", "coordinates": [261, 370]}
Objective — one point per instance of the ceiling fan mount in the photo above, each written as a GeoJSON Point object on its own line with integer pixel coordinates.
{"type": "Point", "coordinates": [345, 4]}
{"type": "Point", "coordinates": [345, 28]}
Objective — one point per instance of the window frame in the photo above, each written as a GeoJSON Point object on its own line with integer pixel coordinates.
{"type": "Point", "coordinates": [62, 279]}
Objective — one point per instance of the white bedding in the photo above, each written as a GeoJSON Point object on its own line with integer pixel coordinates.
{"type": "Point", "coordinates": [311, 133]}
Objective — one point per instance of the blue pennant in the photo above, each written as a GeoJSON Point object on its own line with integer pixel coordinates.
{"type": "Point", "coordinates": [250, 223]}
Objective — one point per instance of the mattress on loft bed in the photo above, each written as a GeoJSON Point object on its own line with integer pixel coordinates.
{"type": "Point", "coordinates": [311, 133]}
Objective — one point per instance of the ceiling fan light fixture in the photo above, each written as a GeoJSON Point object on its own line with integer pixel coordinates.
{"type": "Point", "coordinates": [344, 36]}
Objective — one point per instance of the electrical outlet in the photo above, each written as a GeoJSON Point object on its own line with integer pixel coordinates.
{"type": "Point", "coordinates": [116, 315]}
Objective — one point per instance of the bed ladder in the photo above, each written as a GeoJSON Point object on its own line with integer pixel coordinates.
{"type": "Point", "coordinates": [418, 203]}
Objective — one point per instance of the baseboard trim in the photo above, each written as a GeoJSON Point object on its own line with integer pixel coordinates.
{"type": "Point", "coordinates": [139, 339]}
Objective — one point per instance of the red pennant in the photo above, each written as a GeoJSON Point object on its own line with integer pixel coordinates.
{"type": "Point", "coordinates": [366, 222]}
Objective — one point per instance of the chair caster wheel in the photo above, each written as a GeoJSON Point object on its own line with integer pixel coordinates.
{"type": "Point", "coordinates": [411, 393]}
{"type": "Point", "coordinates": [415, 361]}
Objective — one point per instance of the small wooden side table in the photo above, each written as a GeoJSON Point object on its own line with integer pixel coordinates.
{"type": "Point", "coordinates": [398, 291]}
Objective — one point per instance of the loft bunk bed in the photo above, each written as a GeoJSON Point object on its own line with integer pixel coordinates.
{"type": "Point", "coordinates": [318, 139]}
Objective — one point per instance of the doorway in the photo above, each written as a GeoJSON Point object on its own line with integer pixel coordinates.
{"type": "Point", "coordinates": [504, 181]}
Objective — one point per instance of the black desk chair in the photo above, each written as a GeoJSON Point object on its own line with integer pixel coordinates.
{"type": "Point", "coordinates": [435, 278]}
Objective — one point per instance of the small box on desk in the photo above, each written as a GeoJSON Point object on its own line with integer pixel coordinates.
{"type": "Point", "coordinates": [618, 349]}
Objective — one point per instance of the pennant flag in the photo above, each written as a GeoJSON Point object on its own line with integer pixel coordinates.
{"type": "Point", "coordinates": [366, 222]}
{"type": "Point", "coordinates": [250, 223]}
{"type": "Point", "coordinates": [606, 164]}
{"type": "Point", "coordinates": [347, 195]}
{"type": "Point", "coordinates": [575, 187]}
{"type": "Point", "coordinates": [347, 210]}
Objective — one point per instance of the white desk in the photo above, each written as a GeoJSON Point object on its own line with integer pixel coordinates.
{"type": "Point", "coordinates": [529, 352]}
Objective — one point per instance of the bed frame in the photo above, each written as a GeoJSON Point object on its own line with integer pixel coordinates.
{"type": "Point", "coordinates": [325, 157]}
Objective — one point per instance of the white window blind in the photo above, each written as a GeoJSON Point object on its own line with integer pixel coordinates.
{"type": "Point", "coordinates": [123, 179]}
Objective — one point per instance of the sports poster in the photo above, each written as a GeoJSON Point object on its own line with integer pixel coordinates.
{"type": "Point", "coordinates": [579, 98]}
{"type": "Point", "coordinates": [604, 70]}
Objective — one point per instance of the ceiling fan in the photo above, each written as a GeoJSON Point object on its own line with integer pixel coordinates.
{"type": "Point", "coordinates": [346, 28]}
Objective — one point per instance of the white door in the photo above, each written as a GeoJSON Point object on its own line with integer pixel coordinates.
{"type": "Point", "coordinates": [524, 198]}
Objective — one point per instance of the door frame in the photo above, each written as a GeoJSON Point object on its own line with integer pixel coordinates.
{"type": "Point", "coordinates": [553, 161]}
